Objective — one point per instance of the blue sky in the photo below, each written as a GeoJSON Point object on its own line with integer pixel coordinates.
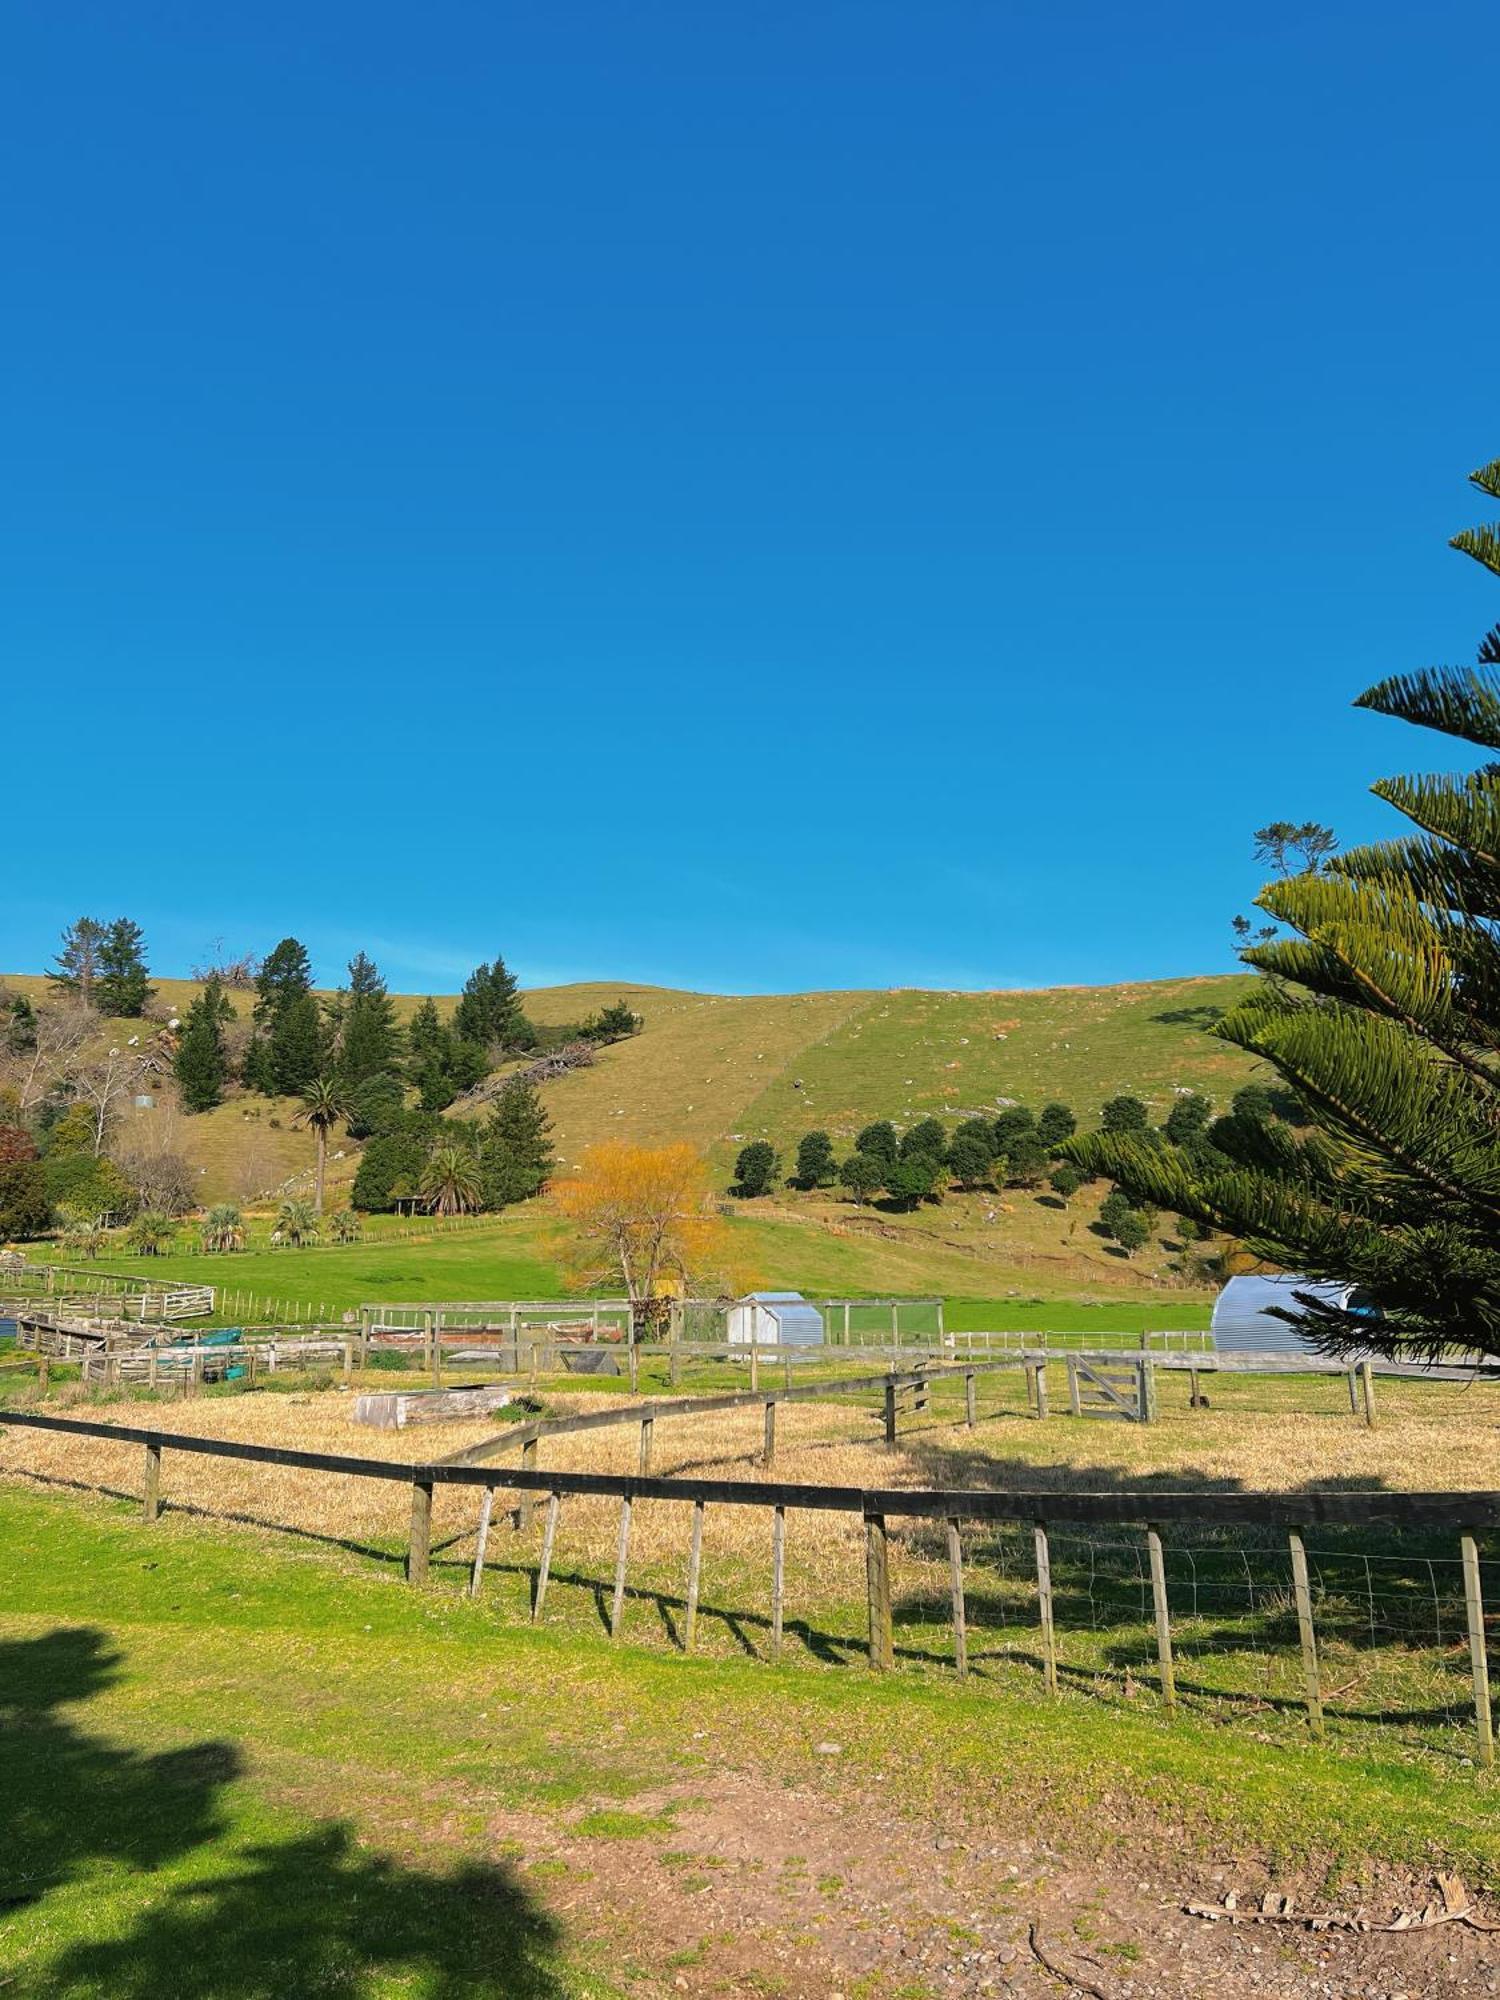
{"type": "Point", "coordinates": [756, 498]}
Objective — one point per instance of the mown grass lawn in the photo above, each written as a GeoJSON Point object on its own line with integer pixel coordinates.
{"type": "Point", "coordinates": [232, 1768]}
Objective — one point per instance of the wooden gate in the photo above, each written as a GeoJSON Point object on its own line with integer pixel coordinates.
{"type": "Point", "coordinates": [1119, 1389]}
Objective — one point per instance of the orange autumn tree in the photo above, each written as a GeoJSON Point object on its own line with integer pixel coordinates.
{"type": "Point", "coordinates": [648, 1214]}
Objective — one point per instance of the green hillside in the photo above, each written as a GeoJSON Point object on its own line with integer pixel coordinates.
{"type": "Point", "coordinates": [718, 1070]}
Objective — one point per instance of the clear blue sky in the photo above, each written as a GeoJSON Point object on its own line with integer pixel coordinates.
{"type": "Point", "coordinates": [754, 497]}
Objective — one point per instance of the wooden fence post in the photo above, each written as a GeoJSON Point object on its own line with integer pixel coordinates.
{"type": "Point", "coordinates": [956, 1579]}
{"type": "Point", "coordinates": [524, 1500]}
{"type": "Point", "coordinates": [481, 1540]}
{"type": "Point", "coordinates": [695, 1570]}
{"type": "Point", "coordinates": [421, 1531]}
{"type": "Point", "coordinates": [1478, 1659]}
{"type": "Point", "coordinates": [633, 1363]}
{"type": "Point", "coordinates": [544, 1564]}
{"type": "Point", "coordinates": [1163, 1622]}
{"type": "Point", "coordinates": [1041, 1390]}
{"type": "Point", "coordinates": [151, 1498]}
{"type": "Point", "coordinates": [778, 1575]}
{"type": "Point", "coordinates": [1146, 1392]}
{"type": "Point", "coordinates": [878, 1593]}
{"type": "Point", "coordinates": [770, 1431]}
{"type": "Point", "coordinates": [622, 1551]}
{"type": "Point", "coordinates": [754, 1355]}
{"type": "Point", "coordinates": [1367, 1384]}
{"type": "Point", "coordinates": [1029, 1369]}
{"type": "Point", "coordinates": [1074, 1405]}
{"type": "Point", "coordinates": [969, 1410]}
{"type": "Point", "coordinates": [648, 1425]}
{"type": "Point", "coordinates": [348, 1359]}
{"type": "Point", "coordinates": [1354, 1392]}
{"type": "Point", "coordinates": [1044, 1607]}
{"type": "Point", "coordinates": [1309, 1638]}
{"type": "Point", "coordinates": [890, 1411]}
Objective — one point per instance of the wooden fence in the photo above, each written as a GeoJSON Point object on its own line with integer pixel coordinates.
{"type": "Point", "coordinates": [1464, 1515]}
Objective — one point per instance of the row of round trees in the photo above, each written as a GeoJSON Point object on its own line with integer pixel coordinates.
{"type": "Point", "coordinates": [1015, 1148]}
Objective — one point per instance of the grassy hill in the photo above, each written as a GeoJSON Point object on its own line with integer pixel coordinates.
{"type": "Point", "coordinates": [720, 1070]}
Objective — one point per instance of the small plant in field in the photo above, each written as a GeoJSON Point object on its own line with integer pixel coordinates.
{"type": "Point", "coordinates": [151, 1233]}
{"type": "Point", "coordinates": [296, 1224]}
{"type": "Point", "coordinates": [223, 1228]}
{"type": "Point", "coordinates": [83, 1235]}
{"type": "Point", "coordinates": [345, 1226]}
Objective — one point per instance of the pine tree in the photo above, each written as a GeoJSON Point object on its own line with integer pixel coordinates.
{"type": "Point", "coordinates": [515, 1152]}
{"type": "Point", "coordinates": [201, 1062]}
{"type": "Point", "coordinates": [78, 964]}
{"type": "Point", "coordinates": [288, 1052]}
{"type": "Point", "coordinates": [255, 1066]}
{"type": "Point", "coordinates": [429, 1059]}
{"type": "Point", "coordinates": [369, 1041]}
{"type": "Point", "coordinates": [489, 1012]}
{"type": "Point", "coordinates": [295, 1047]}
{"type": "Point", "coordinates": [1381, 1011]}
{"type": "Point", "coordinates": [285, 975]}
{"type": "Point", "coordinates": [124, 986]}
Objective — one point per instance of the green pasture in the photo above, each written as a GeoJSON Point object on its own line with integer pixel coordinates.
{"type": "Point", "coordinates": [229, 1766]}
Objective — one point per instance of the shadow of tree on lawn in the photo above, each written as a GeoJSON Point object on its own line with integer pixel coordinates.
{"type": "Point", "coordinates": [312, 1914]}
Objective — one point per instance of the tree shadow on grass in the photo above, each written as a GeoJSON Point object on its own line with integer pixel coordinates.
{"type": "Point", "coordinates": [312, 1914]}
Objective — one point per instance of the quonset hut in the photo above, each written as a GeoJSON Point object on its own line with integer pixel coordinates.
{"type": "Point", "coordinates": [1244, 1323]}
{"type": "Point", "coordinates": [775, 1319]}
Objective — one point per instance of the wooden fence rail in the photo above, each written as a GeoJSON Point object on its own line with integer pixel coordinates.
{"type": "Point", "coordinates": [1463, 1514]}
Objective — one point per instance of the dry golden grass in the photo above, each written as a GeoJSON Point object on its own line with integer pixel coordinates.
{"type": "Point", "coordinates": [1267, 1434]}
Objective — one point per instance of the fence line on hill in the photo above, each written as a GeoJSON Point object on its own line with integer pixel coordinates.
{"type": "Point", "coordinates": [1152, 1515]}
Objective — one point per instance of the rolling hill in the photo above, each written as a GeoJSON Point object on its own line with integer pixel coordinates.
{"type": "Point", "coordinates": [720, 1070]}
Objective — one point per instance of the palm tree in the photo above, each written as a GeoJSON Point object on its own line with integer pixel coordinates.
{"type": "Point", "coordinates": [450, 1181]}
{"type": "Point", "coordinates": [151, 1233]}
{"type": "Point", "coordinates": [323, 1105]}
{"type": "Point", "coordinates": [346, 1226]}
{"type": "Point", "coordinates": [296, 1223]}
{"type": "Point", "coordinates": [223, 1228]}
{"type": "Point", "coordinates": [83, 1234]}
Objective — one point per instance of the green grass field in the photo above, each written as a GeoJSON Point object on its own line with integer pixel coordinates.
{"type": "Point", "coordinates": [230, 1767]}
{"type": "Point", "coordinates": [519, 1256]}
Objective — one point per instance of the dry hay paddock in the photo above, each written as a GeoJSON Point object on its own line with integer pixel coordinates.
{"type": "Point", "coordinates": [1430, 1437]}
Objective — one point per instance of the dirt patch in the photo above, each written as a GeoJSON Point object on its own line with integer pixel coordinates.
{"type": "Point", "coordinates": [781, 1889]}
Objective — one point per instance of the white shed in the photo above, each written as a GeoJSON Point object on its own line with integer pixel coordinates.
{"type": "Point", "coordinates": [775, 1319]}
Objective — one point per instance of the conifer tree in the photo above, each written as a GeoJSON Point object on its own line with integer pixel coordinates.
{"type": "Point", "coordinates": [369, 1040]}
{"type": "Point", "coordinates": [295, 1047]}
{"type": "Point", "coordinates": [489, 1012]}
{"type": "Point", "coordinates": [1381, 1010]}
{"type": "Point", "coordinates": [201, 1062]}
{"type": "Point", "coordinates": [124, 985]}
{"type": "Point", "coordinates": [288, 1056]}
{"type": "Point", "coordinates": [77, 966]}
{"type": "Point", "coordinates": [515, 1152]}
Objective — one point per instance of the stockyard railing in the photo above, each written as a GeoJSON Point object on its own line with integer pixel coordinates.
{"type": "Point", "coordinates": [1031, 1539]}
{"type": "Point", "coordinates": [109, 1357]}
